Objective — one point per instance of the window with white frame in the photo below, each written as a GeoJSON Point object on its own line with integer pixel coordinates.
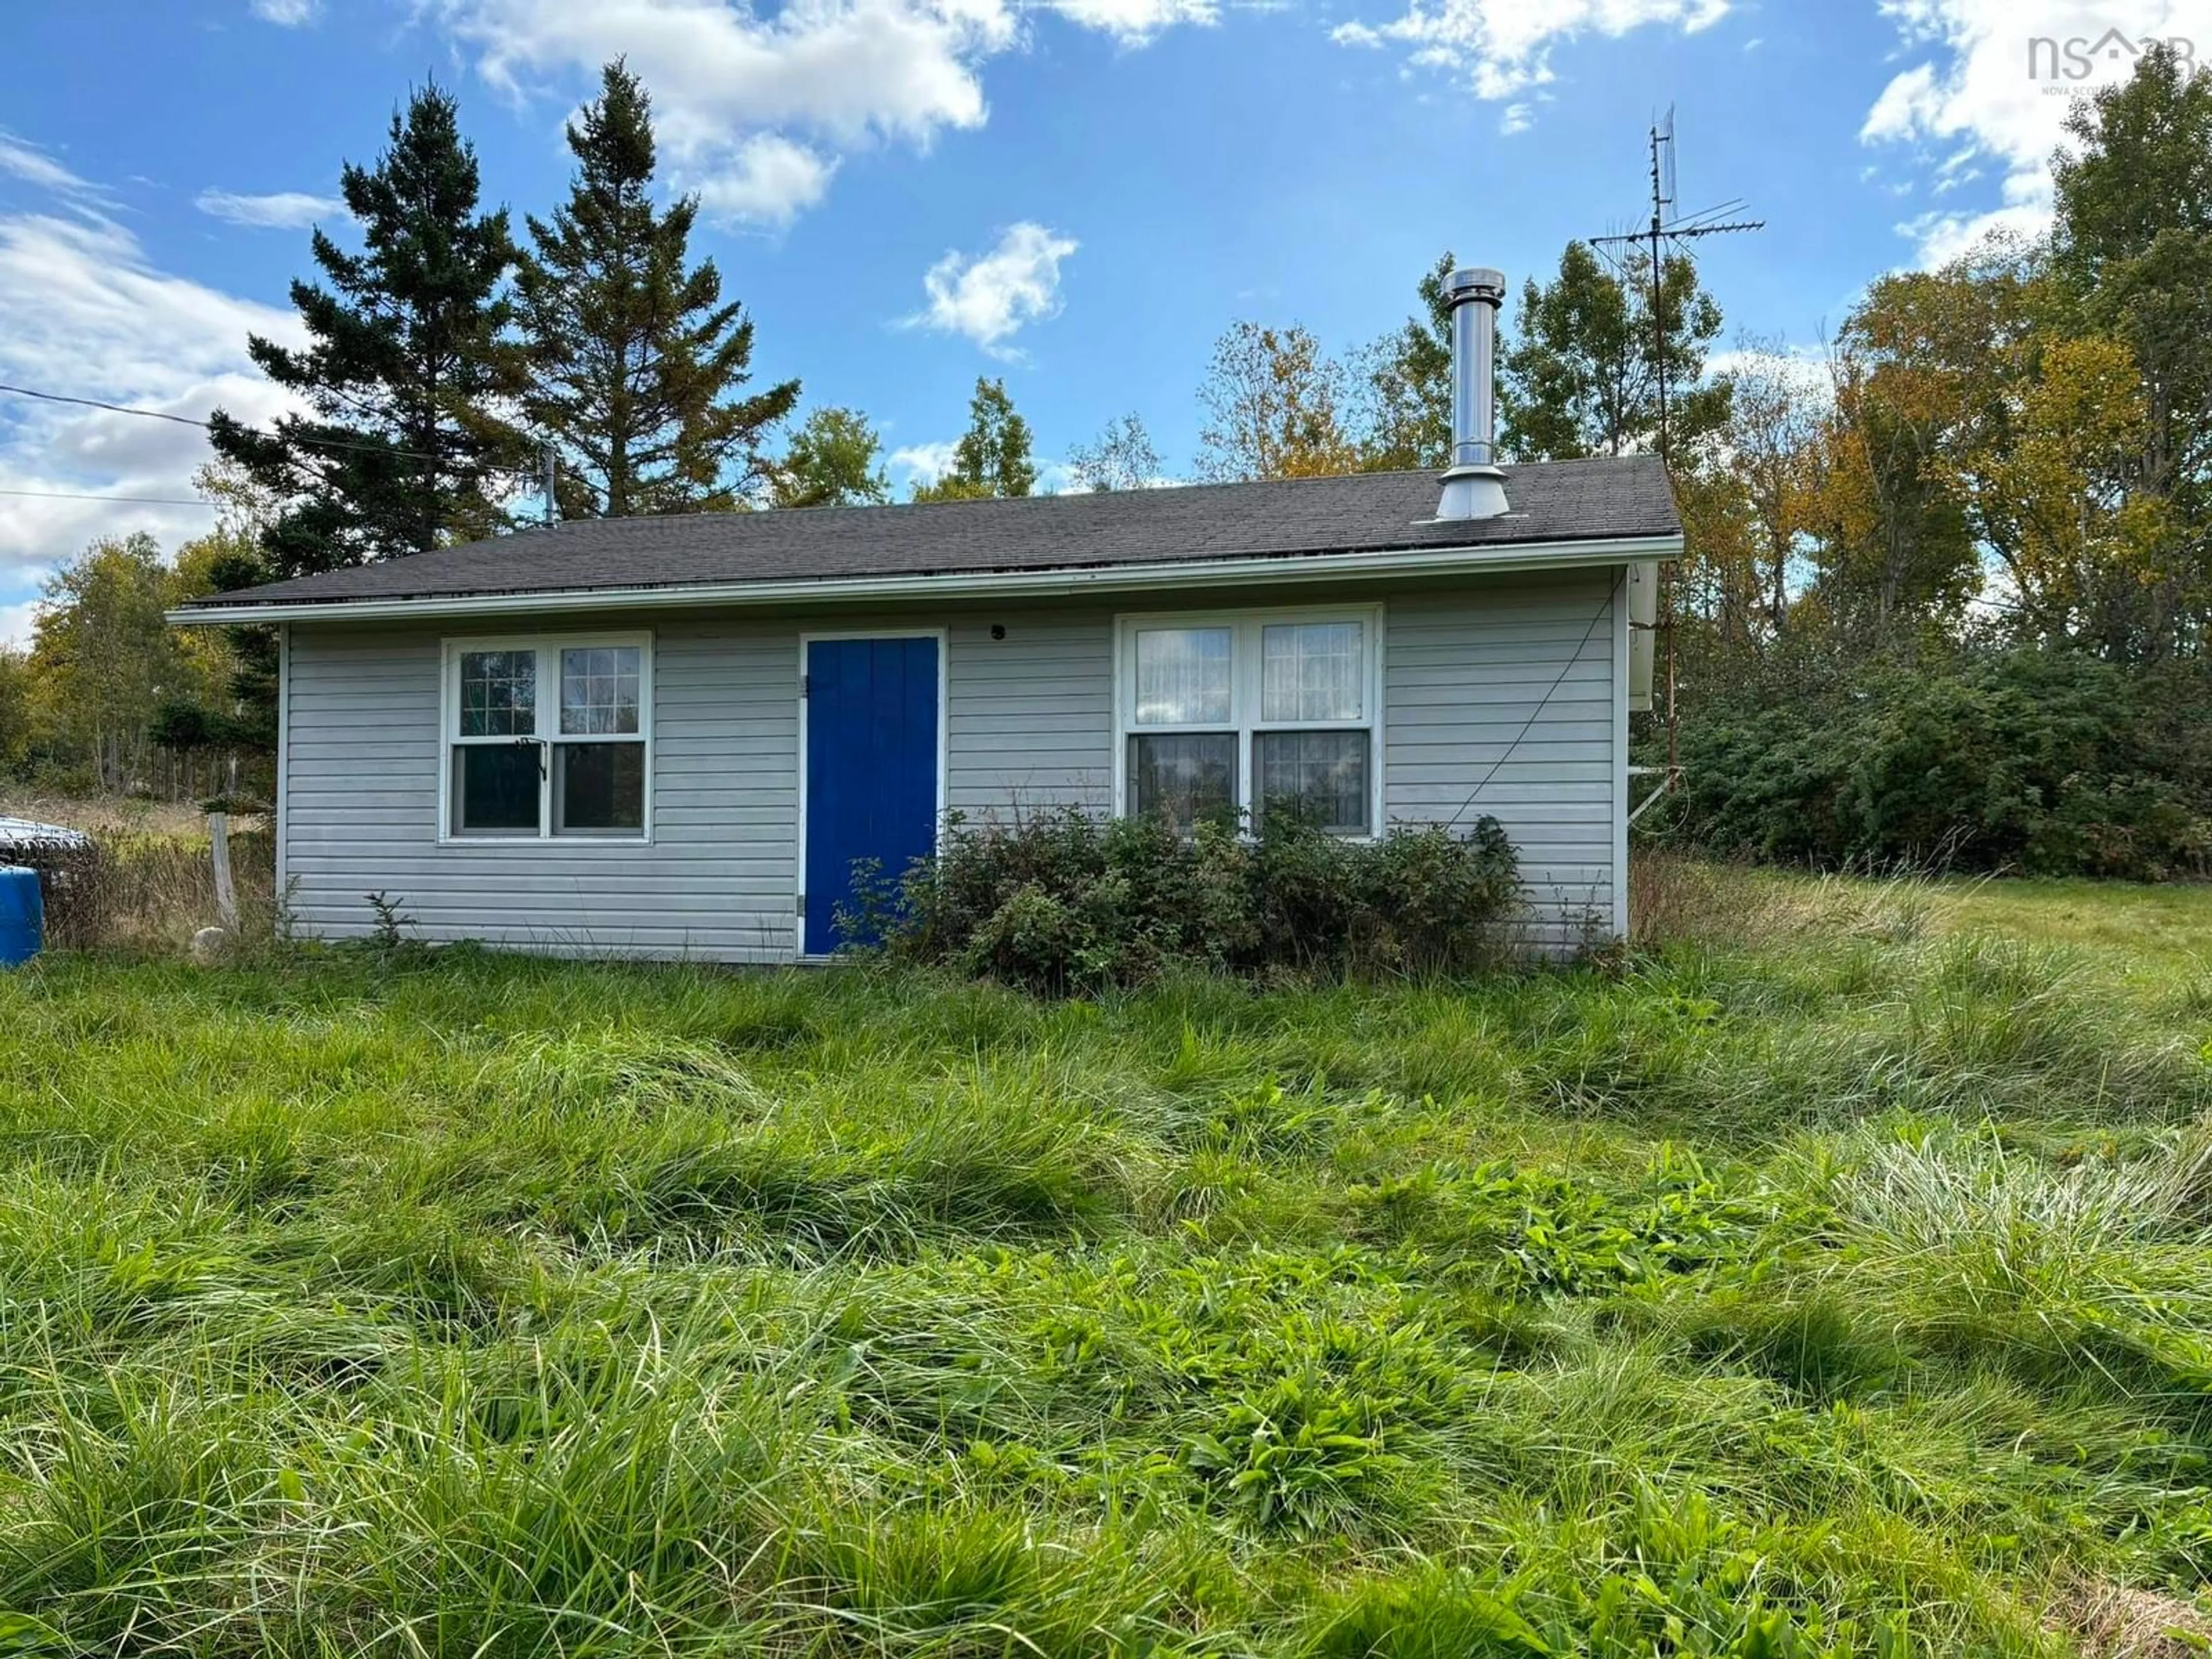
{"type": "Point", "coordinates": [548, 737]}
{"type": "Point", "coordinates": [1238, 714]}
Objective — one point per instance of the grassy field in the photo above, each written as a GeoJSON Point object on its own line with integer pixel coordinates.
{"type": "Point", "coordinates": [1835, 1279]}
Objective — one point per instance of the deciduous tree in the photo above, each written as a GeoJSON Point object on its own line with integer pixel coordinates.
{"type": "Point", "coordinates": [1275, 408]}
{"type": "Point", "coordinates": [15, 708]}
{"type": "Point", "coordinates": [1123, 457]}
{"type": "Point", "coordinates": [992, 456]}
{"type": "Point", "coordinates": [1406, 383]}
{"type": "Point", "coordinates": [2133, 245]}
{"type": "Point", "coordinates": [1775, 417]}
{"type": "Point", "coordinates": [1583, 363]}
{"type": "Point", "coordinates": [103, 659]}
{"type": "Point", "coordinates": [835, 459]}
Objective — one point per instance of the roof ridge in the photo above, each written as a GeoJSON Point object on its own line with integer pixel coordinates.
{"type": "Point", "coordinates": [1179, 486]}
{"type": "Point", "coordinates": [1597, 498]}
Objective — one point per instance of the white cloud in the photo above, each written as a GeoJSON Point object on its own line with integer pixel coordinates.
{"type": "Point", "coordinates": [754, 108]}
{"type": "Point", "coordinates": [84, 312]}
{"type": "Point", "coordinates": [925, 463]}
{"type": "Point", "coordinates": [768, 180]}
{"type": "Point", "coordinates": [1518, 117]}
{"type": "Point", "coordinates": [1803, 367]}
{"type": "Point", "coordinates": [286, 14]}
{"type": "Point", "coordinates": [1973, 91]}
{"type": "Point", "coordinates": [29, 162]}
{"type": "Point", "coordinates": [1134, 22]}
{"type": "Point", "coordinates": [1504, 46]}
{"type": "Point", "coordinates": [16, 620]}
{"type": "Point", "coordinates": [283, 210]}
{"type": "Point", "coordinates": [990, 297]}
{"type": "Point", "coordinates": [1940, 237]}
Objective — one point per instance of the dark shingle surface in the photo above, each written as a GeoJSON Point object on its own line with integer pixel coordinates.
{"type": "Point", "coordinates": [1373, 512]}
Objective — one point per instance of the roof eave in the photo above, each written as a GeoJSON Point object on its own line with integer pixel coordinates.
{"type": "Point", "coordinates": [1274, 569]}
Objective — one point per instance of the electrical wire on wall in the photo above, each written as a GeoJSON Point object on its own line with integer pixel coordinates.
{"type": "Point", "coordinates": [1613, 593]}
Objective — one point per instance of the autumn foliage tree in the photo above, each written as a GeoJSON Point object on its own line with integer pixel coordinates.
{"type": "Point", "coordinates": [103, 663]}
{"type": "Point", "coordinates": [1407, 388]}
{"type": "Point", "coordinates": [1276, 406]}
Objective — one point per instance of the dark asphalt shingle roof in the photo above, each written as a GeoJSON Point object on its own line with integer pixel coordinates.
{"type": "Point", "coordinates": [1372, 512]}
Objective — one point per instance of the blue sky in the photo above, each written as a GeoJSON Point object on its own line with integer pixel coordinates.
{"type": "Point", "coordinates": [1079, 195]}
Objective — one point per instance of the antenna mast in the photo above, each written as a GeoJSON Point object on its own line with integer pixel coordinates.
{"type": "Point", "coordinates": [1669, 231]}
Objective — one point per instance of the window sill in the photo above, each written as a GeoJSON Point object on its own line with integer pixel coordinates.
{"type": "Point", "coordinates": [544, 840]}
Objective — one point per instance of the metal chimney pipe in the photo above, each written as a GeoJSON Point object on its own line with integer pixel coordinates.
{"type": "Point", "coordinates": [1473, 487]}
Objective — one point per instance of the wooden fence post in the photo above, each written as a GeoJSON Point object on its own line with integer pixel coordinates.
{"type": "Point", "coordinates": [226, 896]}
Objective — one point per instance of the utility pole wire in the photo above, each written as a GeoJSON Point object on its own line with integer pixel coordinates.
{"type": "Point", "coordinates": [95, 402]}
{"type": "Point", "coordinates": [135, 501]}
{"type": "Point", "coordinates": [186, 419]}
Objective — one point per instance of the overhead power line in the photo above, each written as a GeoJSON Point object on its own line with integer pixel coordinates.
{"type": "Point", "coordinates": [205, 426]}
{"type": "Point", "coordinates": [95, 402]}
{"type": "Point", "coordinates": [135, 501]}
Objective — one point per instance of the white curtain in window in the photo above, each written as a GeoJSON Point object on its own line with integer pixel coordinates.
{"type": "Point", "coordinates": [1312, 672]}
{"type": "Point", "coordinates": [1182, 676]}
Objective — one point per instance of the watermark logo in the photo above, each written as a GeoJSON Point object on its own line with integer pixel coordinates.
{"type": "Point", "coordinates": [2064, 64]}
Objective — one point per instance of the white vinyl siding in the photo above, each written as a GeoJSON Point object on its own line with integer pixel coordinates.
{"type": "Point", "coordinates": [1029, 724]}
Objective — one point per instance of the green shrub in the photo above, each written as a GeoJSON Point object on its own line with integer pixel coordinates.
{"type": "Point", "coordinates": [2031, 761]}
{"type": "Point", "coordinates": [1064, 901]}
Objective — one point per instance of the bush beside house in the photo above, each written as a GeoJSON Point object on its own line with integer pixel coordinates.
{"type": "Point", "coordinates": [1064, 901]}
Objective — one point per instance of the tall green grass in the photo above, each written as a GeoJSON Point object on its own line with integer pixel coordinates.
{"type": "Point", "coordinates": [1846, 1290]}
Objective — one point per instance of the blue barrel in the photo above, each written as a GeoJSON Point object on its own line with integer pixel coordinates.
{"type": "Point", "coordinates": [22, 915]}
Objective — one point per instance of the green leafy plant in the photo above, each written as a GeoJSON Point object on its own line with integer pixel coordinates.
{"type": "Point", "coordinates": [2033, 762]}
{"type": "Point", "coordinates": [1298, 1454]}
{"type": "Point", "coordinates": [1064, 902]}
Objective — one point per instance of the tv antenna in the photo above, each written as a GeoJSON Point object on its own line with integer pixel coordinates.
{"type": "Point", "coordinates": [1669, 231]}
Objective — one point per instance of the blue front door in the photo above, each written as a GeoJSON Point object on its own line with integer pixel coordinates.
{"type": "Point", "coordinates": [871, 768]}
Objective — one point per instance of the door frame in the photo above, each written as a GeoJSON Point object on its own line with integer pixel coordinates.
{"type": "Point", "coordinates": [806, 639]}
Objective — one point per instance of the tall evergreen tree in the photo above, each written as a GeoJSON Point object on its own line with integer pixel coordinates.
{"type": "Point", "coordinates": [407, 367]}
{"type": "Point", "coordinates": [993, 458]}
{"type": "Point", "coordinates": [635, 354]}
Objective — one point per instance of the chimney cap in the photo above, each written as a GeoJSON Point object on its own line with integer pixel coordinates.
{"type": "Point", "coordinates": [1475, 283]}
